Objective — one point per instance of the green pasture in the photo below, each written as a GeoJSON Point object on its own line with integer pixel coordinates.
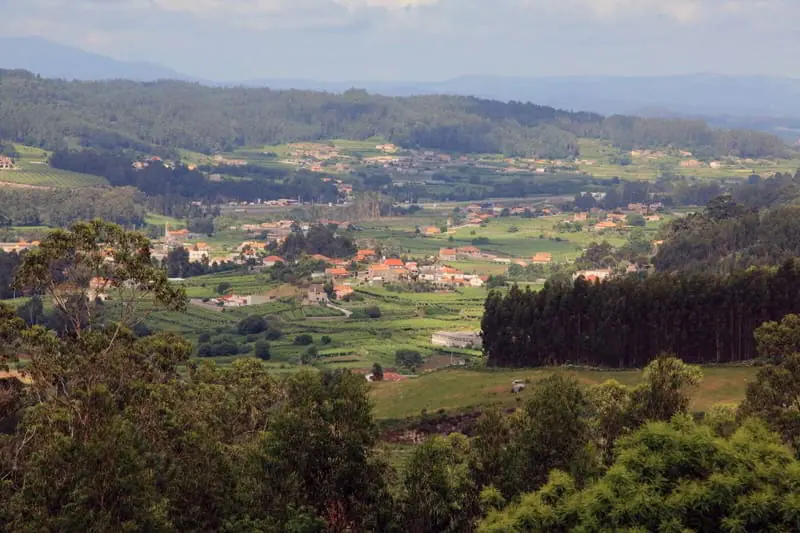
{"type": "Point", "coordinates": [463, 389]}
{"type": "Point", "coordinates": [155, 219]}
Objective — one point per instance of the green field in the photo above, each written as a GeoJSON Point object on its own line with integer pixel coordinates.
{"type": "Point", "coordinates": [649, 168]}
{"type": "Point", "coordinates": [533, 235]}
{"type": "Point", "coordinates": [33, 171]}
{"type": "Point", "coordinates": [458, 390]}
{"type": "Point", "coordinates": [407, 321]}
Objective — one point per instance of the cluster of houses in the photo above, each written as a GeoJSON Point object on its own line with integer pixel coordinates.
{"type": "Point", "coordinates": [393, 270]}
{"type": "Point", "coordinates": [463, 253]}
{"type": "Point", "coordinates": [18, 247]}
{"type": "Point", "coordinates": [617, 220]}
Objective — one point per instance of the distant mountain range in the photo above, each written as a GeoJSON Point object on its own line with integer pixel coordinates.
{"type": "Point", "coordinates": [53, 60]}
{"type": "Point", "coordinates": [754, 102]}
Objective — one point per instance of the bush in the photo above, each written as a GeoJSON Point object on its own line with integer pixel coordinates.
{"type": "Point", "coordinates": [309, 355]}
{"type": "Point", "coordinates": [223, 287]}
{"type": "Point", "coordinates": [251, 338]}
{"type": "Point", "coordinates": [636, 220]}
{"type": "Point", "coordinates": [377, 372]}
{"type": "Point", "coordinates": [384, 334]}
{"type": "Point", "coordinates": [325, 340]}
{"type": "Point", "coordinates": [141, 330]}
{"type": "Point", "coordinates": [373, 311]}
{"type": "Point", "coordinates": [480, 240]}
{"type": "Point", "coordinates": [408, 358]}
{"type": "Point", "coordinates": [218, 348]}
{"type": "Point", "coordinates": [262, 350]}
{"type": "Point", "coordinates": [303, 340]}
{"type": "Point", "coordinates": [273, 334]}
{"type": "Point", "coordinates": [252, 325]}
{"type": "Point", "coordinates": [204, 350]}
{"type": "Point", "coordinates": [204, 337]}
{"type": "Point", "coordinates": [513, 229]}
{"type": "Point", "coordinates": [496, 282]}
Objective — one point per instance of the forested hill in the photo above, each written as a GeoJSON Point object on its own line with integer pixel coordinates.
{"type": "Point", "coordinates": [55, 114]}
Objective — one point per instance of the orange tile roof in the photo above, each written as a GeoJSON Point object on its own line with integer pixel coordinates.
{"type": "Point", "coordinates": [393, 262]}
{"type": "Point", "coordinates": [274, 259]}
{"type": "Point", "coordinates": [447, 251]}
{"type": "Point", "coordinates": [336, 271]}
{"type": "Point", "coordinates": [365, 252]}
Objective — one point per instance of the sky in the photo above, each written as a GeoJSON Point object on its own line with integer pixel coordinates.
{"type": "Point", "coordinates": [424, 40]}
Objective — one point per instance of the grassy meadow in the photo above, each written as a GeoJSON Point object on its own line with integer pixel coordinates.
{"type": "Point", "coordinates": [511, 237]}
{"type": "Point", "coordinates": [463, 389]}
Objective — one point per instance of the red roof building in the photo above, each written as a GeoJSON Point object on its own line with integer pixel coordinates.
{"type": "Point", "coordinates": [394, 263]}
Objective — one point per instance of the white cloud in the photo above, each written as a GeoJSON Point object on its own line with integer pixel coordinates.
{"type": "Point", "coordinates": [423, 39]}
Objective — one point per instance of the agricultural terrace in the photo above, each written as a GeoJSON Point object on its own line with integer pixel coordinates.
{"type": "Point", "coordinates": [407, 321]}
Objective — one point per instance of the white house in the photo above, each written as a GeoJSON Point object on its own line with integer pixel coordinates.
{"type": "Point", "coordinates": [457, 339]}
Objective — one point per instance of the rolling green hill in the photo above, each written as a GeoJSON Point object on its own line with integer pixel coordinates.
{"type": "Point", "coordinates": [174, 115]}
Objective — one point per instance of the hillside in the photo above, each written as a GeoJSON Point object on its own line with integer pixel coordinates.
{"type": "Point", "coordinates": [53, 60]}
{"type": "Point", "coordinates": [170, 115]}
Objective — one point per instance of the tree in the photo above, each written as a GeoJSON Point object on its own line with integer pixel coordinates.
{"type": "Point", "coordinates": [496, 281]}
{"type": "Point", "coordinates": [611, 408]}
{"type": "Point", "coordinates": [636, 220]}
{"type": "Point", "coordinates": [273, 334]}
{"type": "Point", "coordinates": [90, 257]}
{"type": "Point", "coordinates": [252, 325]}
{"type": "Point", "coordinates": [372, 311]}
{"type": "Point", "coordinates": [705, 484]}
{"type": "Point", "coordinates": [303, 340]}
{"type": "Point", "coordinates": [408, 358]}
{"type": "Point", "coordinates": [627, 321]}
{"type": "Point", "coordinates": [438, 493]}
{"type": "Point", "coordinates": [666, 391]}
{"type": "Point", "coordinates": [554, 432]}
{"type": "Point", "coordinates": [263, 350]}
{"type": "Point", "coordinates": [496, 455]}
{"type": "Point", "coordinates": [223, 288]}
{"type": "Point", "coordinates": [377, 372]}
{"type": "Point", "coordinates": [773, 397]}
{"type": "Point", "coordinates": [325, 340]}
{"type": "Point", "coordinates": [779, 339]}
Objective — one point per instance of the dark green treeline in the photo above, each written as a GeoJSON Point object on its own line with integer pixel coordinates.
{"type": "Point", "coordinates": [627, 322]}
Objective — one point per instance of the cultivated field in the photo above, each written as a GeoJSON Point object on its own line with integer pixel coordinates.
{"type": "Point", "coordinates": [407, 321]}
{"type": "Point", "coordinates": [33, 171]}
